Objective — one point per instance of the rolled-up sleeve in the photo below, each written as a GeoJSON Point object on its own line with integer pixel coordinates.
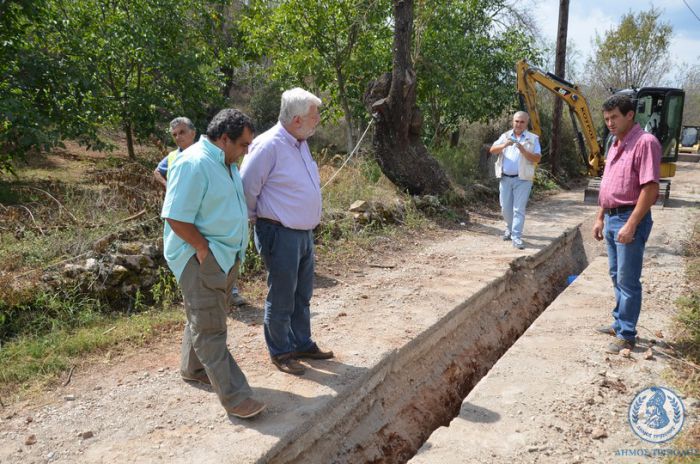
{"type": "Point", "coordinates": [186, 188]}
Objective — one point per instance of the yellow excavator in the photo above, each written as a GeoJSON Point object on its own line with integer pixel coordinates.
{"type": "Point", "coordinates": [659, 111]}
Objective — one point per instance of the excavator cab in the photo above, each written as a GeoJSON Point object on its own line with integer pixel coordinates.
{"type": "Point", "coordinates": [660, 112]}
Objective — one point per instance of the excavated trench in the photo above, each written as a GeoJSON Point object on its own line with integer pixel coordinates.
{"type": "Point", "coordinates": [390, 412]}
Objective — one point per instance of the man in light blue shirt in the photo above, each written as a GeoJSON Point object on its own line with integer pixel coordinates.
{"type": "Point", "coordinates": [283, 192]}
{"type": "Point", "coordinates": [183, 131]}
{"type": "Point", "coordinates": [204, 242]}
{"type": "Point", "coordinates": [518, 154]}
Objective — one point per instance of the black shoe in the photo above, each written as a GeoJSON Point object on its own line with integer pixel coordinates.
{"type": "Point", "coordinates": [314, 353]}
{"type": "Point", "coordinates": [287, 364]}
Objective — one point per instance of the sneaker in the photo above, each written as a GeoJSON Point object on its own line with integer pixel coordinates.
{"type": "Point", "coordinates": [237, 300]}
{"type": "Point", "coordinates": [518, 244]}
{"type": "Point", "coordinates": [606, 329]}
{"type": "Point", "coordinates": [246, 409]}
{"type": "Point", "coordinates": [620, 344]}
{"type": "Point", "coordinates": [505, 236]}
{"type": "Point", "coordinates": [314, 353]}
{"type": "Point", "coordinates": [199, 378]}
{"type": "Point", "coordinates": [288, 364]}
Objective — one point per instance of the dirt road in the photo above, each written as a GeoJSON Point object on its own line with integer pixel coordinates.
{"type": "Point", "coordinates": [409, 337]}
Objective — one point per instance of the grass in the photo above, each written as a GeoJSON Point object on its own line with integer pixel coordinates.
{"type": "Point", "coordinates": [685, 376]}
{"type": "Point", "coordinates": [30, 360]}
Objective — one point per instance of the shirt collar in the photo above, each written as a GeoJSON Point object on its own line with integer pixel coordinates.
{"type": "Point", "coordinates": [286, 136]}
{"type": "Point", "coordinates": [212, 150]}
{"type": "Point", "coordinates": [632, 135]}
{"type": "Point", "coordinates": [512, 132]}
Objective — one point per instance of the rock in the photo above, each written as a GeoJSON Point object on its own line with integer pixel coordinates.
{"type": "Point", "coordinates": [72, 270]}
{"type": "Point", "coordinates": [92, 265]}
{"type": "Point", "coordinates": [31, 439]}
{"type": "Point", "coordinates": [599, 433]}
{"type": "Point", "coordinates": [359, 206]}
{"type": "Point", "coordinates": [130, 248]}
{"type": "Point", "coordinates": [626, 353]}
{"type": "Point", "coordinates": [29, 420]}
{"type": "Point", "coordinates": [135, 262]}
{"type": "Point", "coordinates": [648, 354]}
{"type": "Point", "coordinates": [87, 434]}
{"type": "Point", "coordinates": [117, 274]}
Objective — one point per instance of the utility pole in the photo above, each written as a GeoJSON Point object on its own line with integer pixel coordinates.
{"type": "Point", "coordinates": [559, 70]}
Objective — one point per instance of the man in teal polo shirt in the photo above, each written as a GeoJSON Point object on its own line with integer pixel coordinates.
{"type": "Point", "coordinates": [204, 242]}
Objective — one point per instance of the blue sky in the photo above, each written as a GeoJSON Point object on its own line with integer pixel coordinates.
{"type": "Point", "coordinates": [591, 16]}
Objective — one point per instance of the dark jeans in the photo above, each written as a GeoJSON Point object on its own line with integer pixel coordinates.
{"type": "Point", "coordinates": [625, 265]}
{"type": "Point", "coordinates": [289, 258]}
{"type": "Point", "coordinates": [205, 291]}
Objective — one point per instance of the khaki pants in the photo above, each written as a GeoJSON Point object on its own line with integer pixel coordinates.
{"type": "Point", "coordinates": [205, 291]}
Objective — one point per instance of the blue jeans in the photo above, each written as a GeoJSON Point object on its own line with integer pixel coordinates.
{"type": "Point", "coordinates": [514, 193]}
{"type": "Point", "coordinates": [625, 261]}
{"type": "Point", "coordinates": [288, 255]}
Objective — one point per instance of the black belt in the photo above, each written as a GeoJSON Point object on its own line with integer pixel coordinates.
{"type": "Point", "coordinates": [510, 175]}
{"type": "Point", "coordinates": [271, 221]}
{"type": "Point", "coordinates": [619, 210]}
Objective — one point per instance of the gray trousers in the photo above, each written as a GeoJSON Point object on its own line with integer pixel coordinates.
{"type": "Point", "coordinates": [205, 291]}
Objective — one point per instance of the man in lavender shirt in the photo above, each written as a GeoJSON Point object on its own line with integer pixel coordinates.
{"type": "Point", "coordinates": [283, 192]}
{"type": "Point", "coordinates": [629, 188]}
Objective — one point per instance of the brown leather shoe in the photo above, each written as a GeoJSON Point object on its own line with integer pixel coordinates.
{"type": "Point", "coordinates": [314, 353]}
{"type": "Point", "coordinates": [620, 344]}
{"type": "Point", "coordinates": [246, 409]}
{"type": "Point", "coordinates": [287, 364]}
{"type": "Point", "coordinates": [199, 378]}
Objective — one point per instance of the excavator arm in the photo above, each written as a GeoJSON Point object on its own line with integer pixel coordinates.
{"type": "Point", "coordinates": [589, 146]}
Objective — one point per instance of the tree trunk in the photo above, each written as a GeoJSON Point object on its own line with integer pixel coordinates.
{"type": "Point", "coordinates": [391, 100]}
{"type": "Point", "coordinates": [129, 141]}
{"type": "Point", "coordinates": [559, 70]}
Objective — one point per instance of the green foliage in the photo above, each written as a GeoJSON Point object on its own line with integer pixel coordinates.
{"type": "Point", "coordinates": [465, 66]}
{"type": "Point", "coordinates": [633, 54]}
{"type": "Point", "coordinates": [335, 47]}
{"type": "Point", "coordinates": [165, 291]}
{"type": "Point", "coordinates": [253, 264]}
{"type": "Point", "coordinates": [459, 162]}
{"type": "Point", "coordinates": [68, 69]}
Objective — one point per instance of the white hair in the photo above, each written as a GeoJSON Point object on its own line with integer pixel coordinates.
{"type": "Point", "coordinates": [522, 114]}
{"type": "Point", "coordinates": [296, 102]}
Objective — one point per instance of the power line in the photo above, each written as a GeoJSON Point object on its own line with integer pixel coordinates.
{"type": "Point", "coordinates": [691, 10]}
